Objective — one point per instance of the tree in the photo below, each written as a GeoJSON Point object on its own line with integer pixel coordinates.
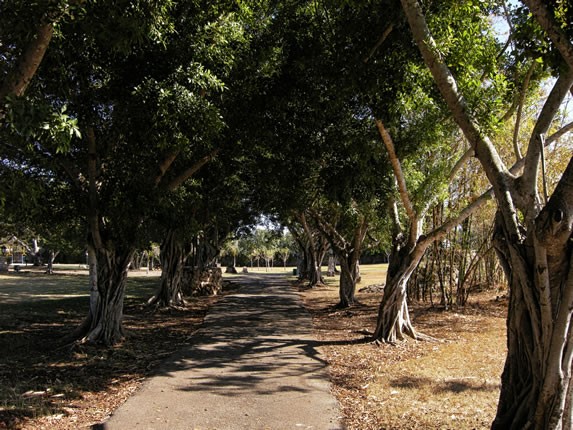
{"type": "Point", "coordinates": [532, 239]}
{"type": "Point", "coordinates": [286, 247]}
{"type": "Point", "coordinates": [347, 247]}
{"type": "Point", "coordinates": [147, 125]}
{"type": "Point", "coordinates": [408, 247]}
{"type": "Point", "coordinates": [231, 248]}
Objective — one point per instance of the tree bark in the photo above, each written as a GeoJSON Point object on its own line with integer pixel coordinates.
{"type": "Point", "coordinates": [348, 279]}
{"type": "Point", "coordinates": [103, 325]}
{"type": "Point", "coordinates": [169, 293]}
{"type": "Point", "coordinates": [19, 78]}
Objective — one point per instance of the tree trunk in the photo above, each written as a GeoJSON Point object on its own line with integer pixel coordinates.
{"type": "Point", "coordinates": [169, 293]}
{"type": "Point", "coordinates": [536, 381]}
{"type": "Point", "coordinates": [51, 257]}
{"type": "Point", "coordinates": [393, 315]}
{"type": "Point", "coordinates": [314, 270]}
{"type": "Point", "coordinates": [103, 324]}
{"type": "Point", "coordinates": [315, 250]}
{"type": "Point", "coordinates": [331, 266]}
{"type": "Point", "coordinates": [348, 278]}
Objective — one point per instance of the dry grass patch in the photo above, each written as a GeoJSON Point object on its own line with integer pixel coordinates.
{"type": "Point", "coordinates": [450, 384]}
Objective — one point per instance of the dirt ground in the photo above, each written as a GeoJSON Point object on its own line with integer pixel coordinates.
{"type": "Point", "coordinates": [451, 384]}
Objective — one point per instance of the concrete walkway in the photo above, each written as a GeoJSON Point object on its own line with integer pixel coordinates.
{"type": "Point", "coordinates": [253, 365]}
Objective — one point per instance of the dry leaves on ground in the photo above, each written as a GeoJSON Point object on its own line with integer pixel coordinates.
{"type": "Point", "coordinates": [450, 384]}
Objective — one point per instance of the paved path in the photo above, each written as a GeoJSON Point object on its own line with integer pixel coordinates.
{"type": "Point", "coordinates": [253, 365]}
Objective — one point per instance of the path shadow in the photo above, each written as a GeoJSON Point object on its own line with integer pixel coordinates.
{"type": "Point", "coordinates": [250, 341]}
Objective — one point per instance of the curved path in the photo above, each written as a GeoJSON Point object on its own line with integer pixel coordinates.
{"type": "Point", "coordinates": [252, 365]}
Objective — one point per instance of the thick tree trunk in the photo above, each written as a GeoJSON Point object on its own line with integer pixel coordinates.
{"type": "Point", "coordinates": [393, 315]}
{"type": "Point", "coordinates": [113, 257]}
{"type": "Point", "coordinates": [349, 273]}
{"type": "Point", "coordinates": [169, 293]}
{"type": "Point", "coordinates": [536, 381]}
{"type": "Point", "coordinates": [103, 324]}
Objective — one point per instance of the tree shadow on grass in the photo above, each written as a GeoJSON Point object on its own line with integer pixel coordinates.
{"type": "Point", "coordinates": [453, 385]}
{"type": "Point", "coordinates": [39, 376]}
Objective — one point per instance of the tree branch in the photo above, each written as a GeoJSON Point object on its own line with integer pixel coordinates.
{"type": "Point", "coordinates": [520, 110]}
{"type": "Point", "coordinates": [507, 115]}
{"type": "Point", "coordinates": [547, 22]}
{"type": "Point", "coordinates": [528, 180]}
{"type": "Point", "coordinates": [330, 231]}
{"type": "Point", "coordinates": [463, 159]}
{"type": "Point", "coordinates": [384, 36]}
{"type": "Point", "coordinates": [563, 130]}
{"type": "Point", "coordinates": [441, 231]}
{"type": "Point", "coordinates": [191, 170]}
{"type": "Point", "coordinates": [166, 164]}
{"type": "Point", "coordinates": [398, 172]}
{"type": "Point", "coordinates": [20, 77]}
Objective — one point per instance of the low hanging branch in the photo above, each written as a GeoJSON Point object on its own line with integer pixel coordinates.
{"type": "Point", "coordinates": [21, 75]}
{"type": "Point", "coordinates": [188, 173]}
{"type": "Point", "coordinates": [559, 133]}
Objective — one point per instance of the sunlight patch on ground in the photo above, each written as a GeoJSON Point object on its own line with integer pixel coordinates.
{"type": "Point", "coordinates": [455, 383]}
